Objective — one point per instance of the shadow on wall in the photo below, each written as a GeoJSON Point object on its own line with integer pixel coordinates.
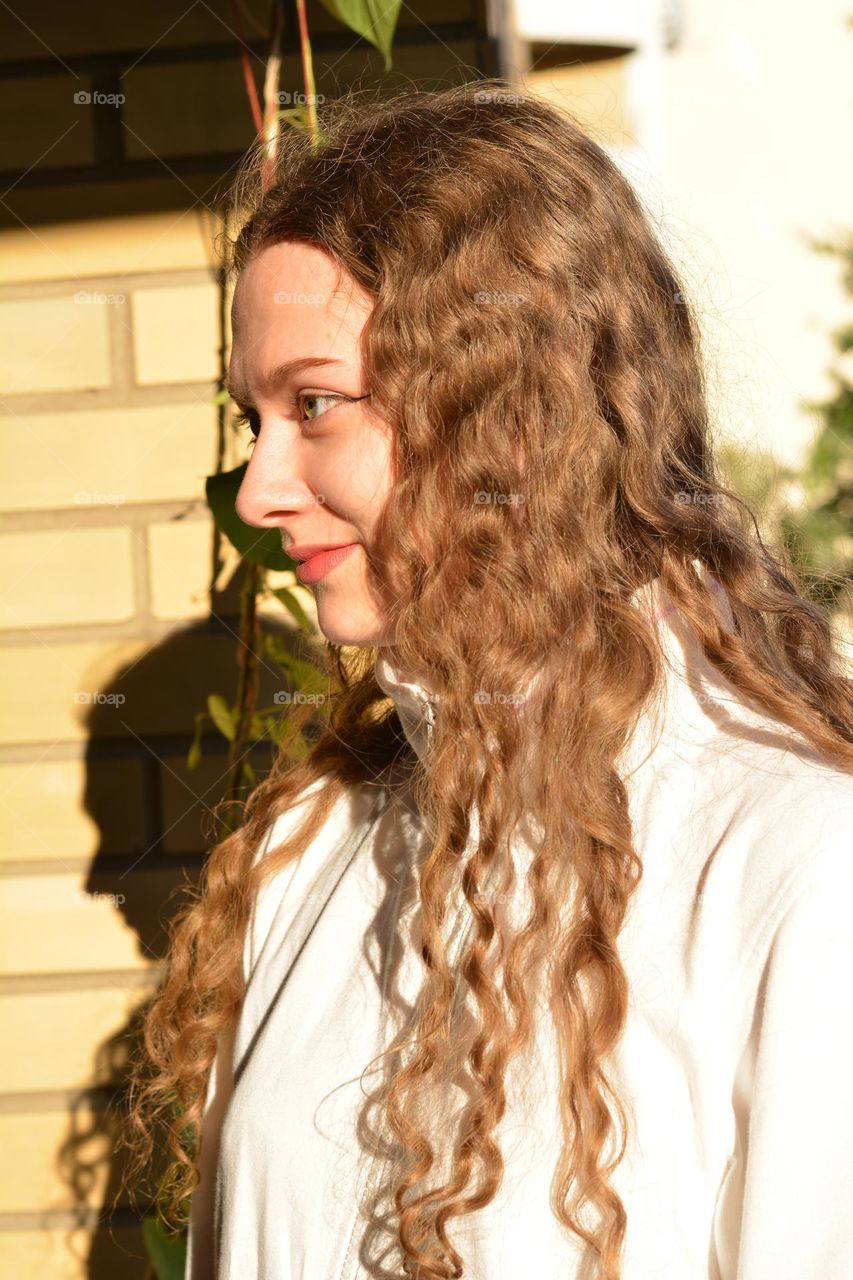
{"type": "Point", "coordinates": [155, 826]}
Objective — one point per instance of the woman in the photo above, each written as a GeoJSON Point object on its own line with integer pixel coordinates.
{"type": "Point", "coordinates": [534, 964]}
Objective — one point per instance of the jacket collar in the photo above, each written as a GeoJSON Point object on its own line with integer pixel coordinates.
{"type": "Point", "coordinates": [694, 703]}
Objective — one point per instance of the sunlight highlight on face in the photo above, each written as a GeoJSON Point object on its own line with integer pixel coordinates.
{"type": "Point", "coordinates": [319, 469]}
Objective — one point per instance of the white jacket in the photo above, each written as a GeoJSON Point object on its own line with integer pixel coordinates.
{"type": "Point", "coordinates": [739, 952]}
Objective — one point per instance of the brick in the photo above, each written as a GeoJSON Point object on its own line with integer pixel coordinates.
{"type": "Point", "coordinates": [81, 30]}
{"type": "Point", "coordinates": [104, 919]}
{"type": "Point", "coordinates": [29, 1175]}
{"type": "Point", "coordinates": [432, 65]}
{"type": "Point", "coordinates": [171, 682]}
{"type": "Point", "coordinates": [162, 109]}
{"type": "Point", "coordinates": [119, 246]}
{"type": "Point", "coordinates": [40, 115]}
{"type": "Point", "coordinates": [64, 1255]}
{"type": "Point", "coordinates": [43, 684]}
{"type": "Point", "coordinates": [78, 686]}
{"type": "Point", "coordinates": [57, 1034]}
{"type": "Point", "coordinates": [188, 798]}
{"type": "Point", "coordinates": [179, 568]}
{"type": "Point", "coordinates": [55, 344]}
{"type": "Point", "coordinates": [56, 577]}
{"type": "Point", "coordinates": [70, 809]}
{"type": "Point", "coordinates": [176, 333]}
{"type": "Point", "coordinates": [107, 457]}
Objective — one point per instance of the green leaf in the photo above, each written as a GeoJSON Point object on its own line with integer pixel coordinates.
{"type": "Point", "coordinates": [194, 753]}
{"type": "Point", "coordinates": [221, 397]}
{"type": "Point", "coordinates": [222, 716]}
{"type": "Point", "coordinates": [168, 1253]}
{"type": "Point", "coordinates": [260, 546]}
{"type": "Point", "coordinates": [275, 647]}
{"type": "Point", "coordinates": [288, 599]}
{"type": "Point", "coordinates": [258, 726]}
{"type": "Point", "coordinates": [375, 20]}
{"type": "Point", "coordinates": [297, 118]}
{"type": "Point", "coordinates": [306, 677]}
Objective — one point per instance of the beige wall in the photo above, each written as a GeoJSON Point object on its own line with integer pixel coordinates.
{"type": "Point", "coordinates": [109, 341]}
{"type": "Point", "coordinates": [738, 138]}
{"type": "Point", "coordinates": [757, 159]}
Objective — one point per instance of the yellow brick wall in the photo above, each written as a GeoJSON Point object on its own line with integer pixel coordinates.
{"type": "Point", "coordinates": [105, 550]}
{"type": "Point", "coordinates": [111, 342]}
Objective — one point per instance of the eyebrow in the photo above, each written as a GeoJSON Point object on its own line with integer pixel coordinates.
{"type": "Point", "coordinates": [276, 377]}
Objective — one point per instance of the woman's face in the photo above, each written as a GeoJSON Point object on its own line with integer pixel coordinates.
{"type": "Point", "coordinates": [319, 469]}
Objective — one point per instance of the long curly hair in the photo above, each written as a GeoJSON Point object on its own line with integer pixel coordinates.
{"type": "Point", "coordinates": [538, 362]}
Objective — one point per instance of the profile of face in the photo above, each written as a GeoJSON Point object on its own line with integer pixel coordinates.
{"type": "Point", "coordinates": [320, 466]}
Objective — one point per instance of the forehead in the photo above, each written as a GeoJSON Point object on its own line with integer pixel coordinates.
{"type": "Point", "coordinates": [292, 278]}
{"type": "Point", "coordinates": [293, 300]}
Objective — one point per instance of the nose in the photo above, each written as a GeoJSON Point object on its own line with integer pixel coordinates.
{"type": "Point", "coordinates": [272, 486]}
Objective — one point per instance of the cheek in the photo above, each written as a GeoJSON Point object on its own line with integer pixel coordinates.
{"type": "Point", "coordinates": [366, 479]}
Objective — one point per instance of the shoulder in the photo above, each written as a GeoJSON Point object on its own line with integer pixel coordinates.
{"type": "Point", "coordinates": [800, 1029]}
{"type": "Point", "coordinates": [353, 806]}
{"type": "Point", "coordinates": [781, 821]}
{"type": "Point", "coordinates": [301, 878]}
{"type": "Point", "coordinates": [802, 957]}
{"type": "Point", "coordinates": [796, 808]}
{"type": "Point", "coordinates": [276, 888]}
{"type": "Point", "coordinates": [731, 833]}
{"type": "Point", "coordinates": [283, 824]}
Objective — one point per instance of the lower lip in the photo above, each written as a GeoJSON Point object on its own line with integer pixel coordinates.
{"type": "Point", "coordinates": [316, 567]}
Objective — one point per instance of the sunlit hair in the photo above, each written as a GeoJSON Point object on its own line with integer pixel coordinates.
{"type": "Point", "coordinates": [530, 339]}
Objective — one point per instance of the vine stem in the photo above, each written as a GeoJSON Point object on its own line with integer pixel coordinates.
{"type": "Point", "coordinates": [247, 677]}
{"type": "Point", "coordinates": [307, 70]}
{"type": "Point", "coordinates": [272, 89]}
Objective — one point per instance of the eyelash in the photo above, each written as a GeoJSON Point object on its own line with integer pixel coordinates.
{"type": "Point", "coordinates": [249, 417]}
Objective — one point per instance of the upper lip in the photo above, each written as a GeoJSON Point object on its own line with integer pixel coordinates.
{"type": "Point", "coordinates": [306, 550]}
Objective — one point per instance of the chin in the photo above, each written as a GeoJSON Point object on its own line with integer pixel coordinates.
{"type": "Point", "coordinates": [342, 626]}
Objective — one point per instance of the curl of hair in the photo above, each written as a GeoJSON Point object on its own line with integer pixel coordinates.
{"type": "Point", "coordinates": [529, 338]}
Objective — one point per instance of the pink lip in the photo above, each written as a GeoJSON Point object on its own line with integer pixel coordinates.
{"type": "Point", "coordinates": [317, 566]}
